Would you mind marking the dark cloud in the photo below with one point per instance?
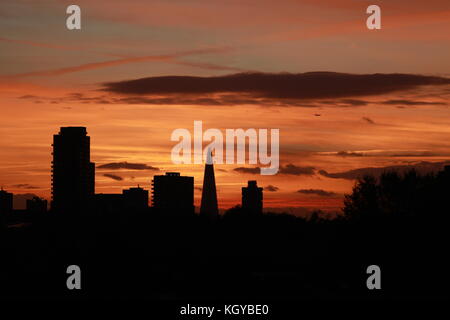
(422, 167)
(289, 169)
(349, 154)
(368, 120)
(276, 86)
(318, 192)
(113, 176)
(292, 169)
(414, 103)
(354, 102)
(307, 90)
(198, 188)
(126, 165)
(271, 188)
(254, 170)
(387, 153)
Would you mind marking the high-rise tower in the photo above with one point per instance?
(73, 173)
(209, 194)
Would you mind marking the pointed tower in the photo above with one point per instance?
(209, 195)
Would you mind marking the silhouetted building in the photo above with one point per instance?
(130, 200)
(252, 198)
(173, 193)
(37, 205)
(108, 203)
(209, 205)
(73, 174)
(135, 199)
(6, 202)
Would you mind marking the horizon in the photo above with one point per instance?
(137, 71)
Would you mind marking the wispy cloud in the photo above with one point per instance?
(168, 58)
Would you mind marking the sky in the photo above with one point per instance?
(347, 100)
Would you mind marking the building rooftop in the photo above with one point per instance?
(73, 131)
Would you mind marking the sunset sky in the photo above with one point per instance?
(336, 119)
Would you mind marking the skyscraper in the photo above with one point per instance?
(209, 205)
(252, 198)
(73, 174)
(173, 193)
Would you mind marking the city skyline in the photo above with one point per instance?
(73, 185)
(123, 76)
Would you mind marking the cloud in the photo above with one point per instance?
(354, 102)
(126, 165)
(198, 188)
(28, 96)
(288, 87)
(306, 90)
(271, 188)
(414, 103)
(387, 153)
(37, 44)
(113, 176)
(347, 102)
(422, 167)
(318, 192)
(289, 169)
(168, 58)
(349, 154)
(254, 170)
(368, 120)
(24, 186)
(294, 170)
(418, 154)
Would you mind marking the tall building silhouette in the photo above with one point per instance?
(73, 173)
(173, 193)
(252, 198)
(6, 202)
(209, 205)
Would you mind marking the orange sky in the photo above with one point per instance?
(51, 77)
